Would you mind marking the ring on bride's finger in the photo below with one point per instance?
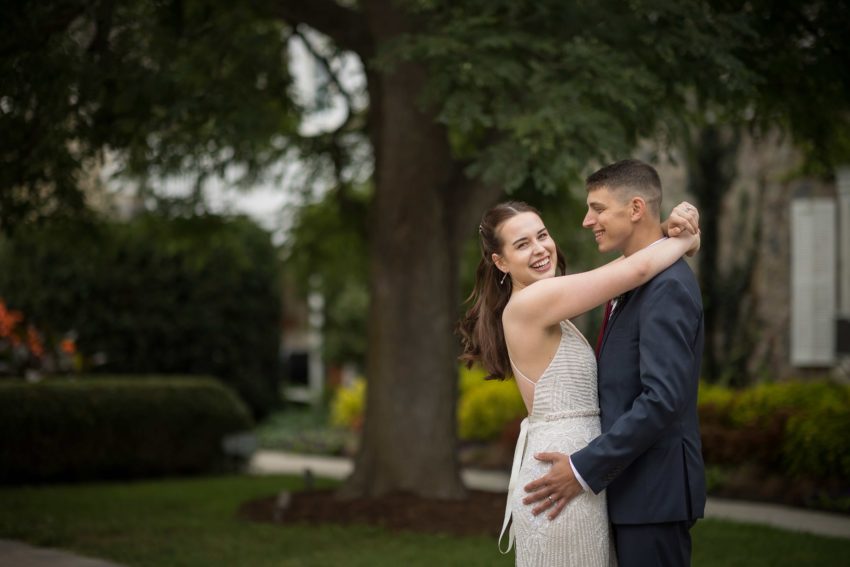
(551, 501)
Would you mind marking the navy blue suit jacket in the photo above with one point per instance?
(649, 456)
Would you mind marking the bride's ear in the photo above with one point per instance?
(499, 262)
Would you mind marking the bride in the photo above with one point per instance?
(519, 325)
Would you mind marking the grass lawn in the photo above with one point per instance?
(192, 523)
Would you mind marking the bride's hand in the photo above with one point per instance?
(695, 246)
(683, 217)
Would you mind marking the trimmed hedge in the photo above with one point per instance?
(110, 428)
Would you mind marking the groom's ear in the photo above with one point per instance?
(637, 209)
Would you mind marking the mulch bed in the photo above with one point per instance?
(480, 513)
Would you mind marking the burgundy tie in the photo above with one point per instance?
(604, 324)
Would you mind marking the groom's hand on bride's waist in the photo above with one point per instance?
(552, 492)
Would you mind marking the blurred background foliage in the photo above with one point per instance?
(326, 252)
(157, 294)
(783, 442)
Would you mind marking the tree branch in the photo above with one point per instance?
(103, 27)
(323, 61)
(345, 26)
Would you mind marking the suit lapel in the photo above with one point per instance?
(621, 304)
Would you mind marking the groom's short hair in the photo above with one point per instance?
(629, 178)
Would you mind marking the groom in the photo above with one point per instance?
(649, 455)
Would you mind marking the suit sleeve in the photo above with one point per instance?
(668, 327)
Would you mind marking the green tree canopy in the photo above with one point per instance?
(168, 86)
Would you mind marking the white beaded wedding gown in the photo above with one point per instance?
(564, 418)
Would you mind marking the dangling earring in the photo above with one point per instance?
(502, 282)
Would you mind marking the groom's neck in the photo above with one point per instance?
(644, 234)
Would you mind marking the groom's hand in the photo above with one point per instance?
(555, 489)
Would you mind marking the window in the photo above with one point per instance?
(813, 282)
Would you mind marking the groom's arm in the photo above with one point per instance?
(553, 491)
(668, 329)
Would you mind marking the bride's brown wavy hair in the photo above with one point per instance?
(480, 329)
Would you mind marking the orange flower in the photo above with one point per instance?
(8, 320)
(68, 346)
(34, 342)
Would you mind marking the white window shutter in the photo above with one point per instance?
(813, 282)
(842, 184)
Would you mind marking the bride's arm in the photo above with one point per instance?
(683, 218)
(547, 302)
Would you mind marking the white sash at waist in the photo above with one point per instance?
(519, 453)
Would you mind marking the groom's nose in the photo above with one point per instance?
(589, 220)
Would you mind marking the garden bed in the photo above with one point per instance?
(479, 514)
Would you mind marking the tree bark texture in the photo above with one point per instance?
(423, 209)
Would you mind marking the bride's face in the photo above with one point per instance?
(528, 252)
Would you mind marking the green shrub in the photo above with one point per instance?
(818, 443)
(156, 295)
(106, 428)
(486, 409)
(718, 397)
(765, 401)
(470, 378)
(348, 405)
(797, 427)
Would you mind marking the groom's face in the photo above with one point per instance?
(609, 218)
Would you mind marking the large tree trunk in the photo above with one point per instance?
(419, 209)
(421, 213)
